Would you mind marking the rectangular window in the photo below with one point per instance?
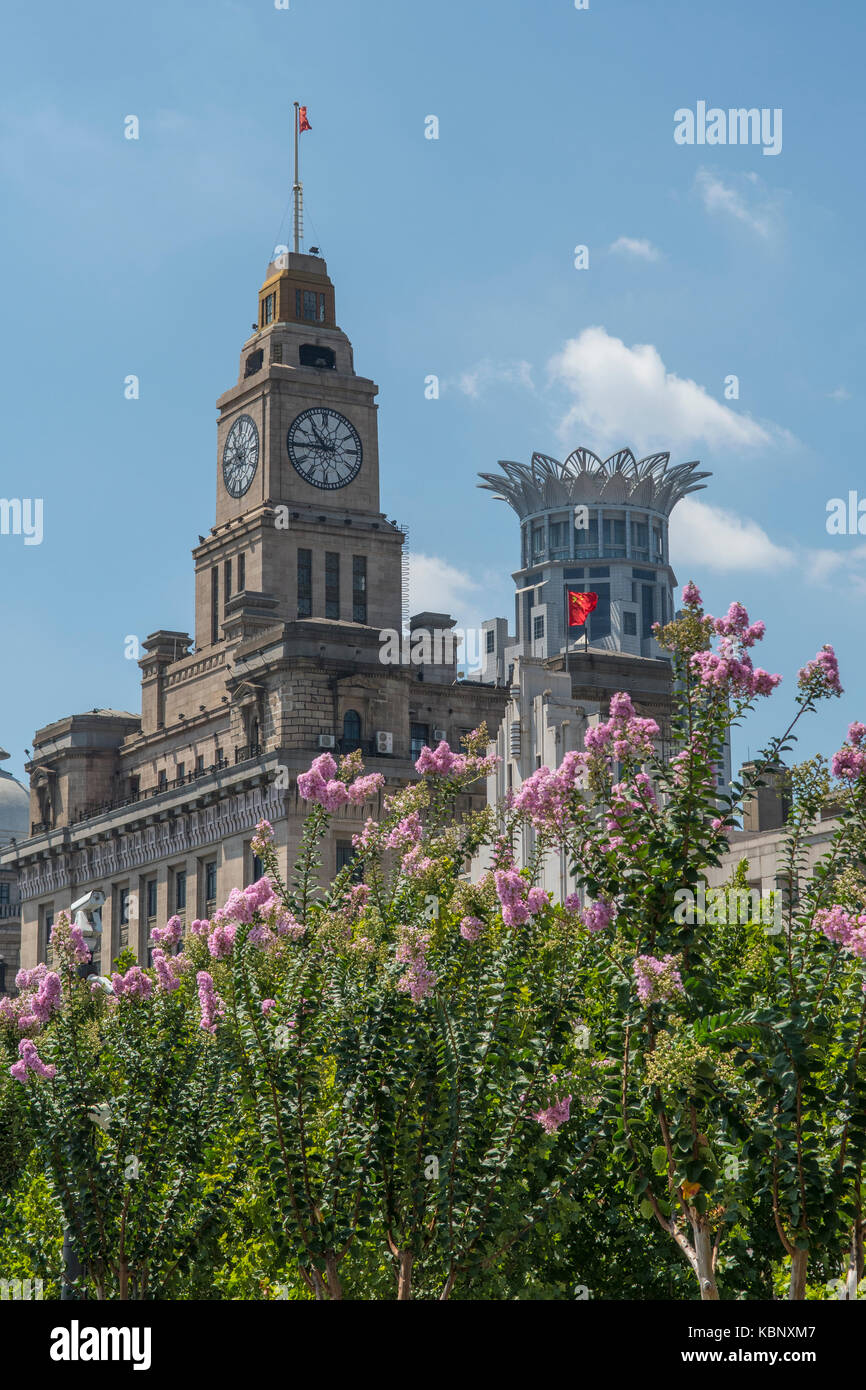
(258, 868)
(629, 624)
(162, 779)
(345, 854)
(491, 639)
(586, 537)
(180, 890)
(648, 575)
(614, 537)
(558, 540)
(332, 584)
(4, 892)
(419, 736)
(305, 583)
(268, 308)
(599, 619)
(242, 573)
(537, 541)
(150, 895)
(123, 916)
(538, 626)
(219, 756)
(227, 583)
(310, 305)
(647, 609)
(640, 535)
(181, 771)
(214, 605)
(210, 881)
(600, 572)
(359, 588)
(659, 544)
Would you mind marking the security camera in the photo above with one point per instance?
(88, 912)
(90, 901)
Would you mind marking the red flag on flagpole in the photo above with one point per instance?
(303, 123)
(579, 607)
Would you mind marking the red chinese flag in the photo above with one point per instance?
(579, 607)
(303, 123)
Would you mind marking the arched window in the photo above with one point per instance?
(351, 730)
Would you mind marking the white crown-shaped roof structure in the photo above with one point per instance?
(545, 483)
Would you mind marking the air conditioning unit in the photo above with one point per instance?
(327, 741)
(439, 735)
(384, 742)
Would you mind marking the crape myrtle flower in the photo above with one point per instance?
(30, 1063)
(212, 1006)
(819, 678)
(657, 979)
(418, 980)
(321, 784)
(849, 764)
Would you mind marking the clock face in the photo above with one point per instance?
(325, 448)
(240, 456)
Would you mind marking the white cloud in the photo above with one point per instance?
(715, 539)
(720, 197)
(838, 567)
(839, 394)
(486, 374)
(438, 587)
(638, 247)
(625, 395)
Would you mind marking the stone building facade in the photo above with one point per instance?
(295, 584)
(14, 825)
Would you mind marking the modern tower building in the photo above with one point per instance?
(589, 526)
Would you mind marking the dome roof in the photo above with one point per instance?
(14, 806)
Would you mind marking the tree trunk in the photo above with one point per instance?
(704, 1262)
(799, 1261)
(404, 1282)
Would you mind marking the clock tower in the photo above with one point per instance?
(298, 516)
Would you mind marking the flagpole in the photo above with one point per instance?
(296, 189)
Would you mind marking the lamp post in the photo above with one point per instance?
(87, 913)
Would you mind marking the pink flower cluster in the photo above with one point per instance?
(471, 928)
(843, 930)
(849, 763)
(212, 1006)
(40, 997)
(819, 678)
(320, 784)
(441, 762)
(519, 901)
(627, 798)
(418, 980)
(267, 1005)
(30, 1063)
(170, 934)
(356, 900)
(625, 735)
(415, 862)
(692, 595)
(657, 979)
(598, 915)
(554, 1116)
(169, 970)
(545, 796)
(408, 831)
(263, 837)
(730, 669)
(134, 984)
(67, 939)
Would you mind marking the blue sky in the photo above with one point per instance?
(452, 257)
